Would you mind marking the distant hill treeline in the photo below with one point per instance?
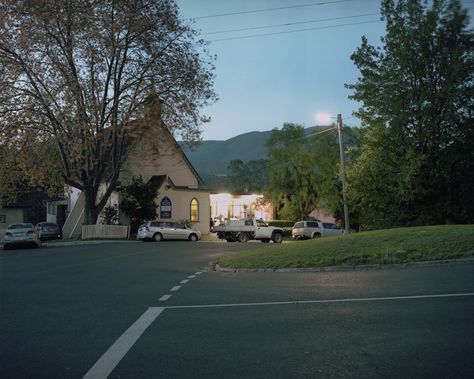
(212, 158)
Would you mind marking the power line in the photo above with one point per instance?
(316, 133)
(271, 9)
(290, 23)
(294, 31)
(269, 164)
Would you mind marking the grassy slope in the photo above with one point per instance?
(378, 247)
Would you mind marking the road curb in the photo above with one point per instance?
(217, 267)
(80, 243)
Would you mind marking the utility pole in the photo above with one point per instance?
(343, 172)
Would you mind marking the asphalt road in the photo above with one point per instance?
(150, 310)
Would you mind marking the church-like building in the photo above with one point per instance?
(181, 193)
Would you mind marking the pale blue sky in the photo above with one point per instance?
(265, 81)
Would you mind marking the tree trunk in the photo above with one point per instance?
(91, 211)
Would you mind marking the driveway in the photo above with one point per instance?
(150, 310)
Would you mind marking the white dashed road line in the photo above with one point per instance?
(164, 297)
(105, 365)
(111, 358)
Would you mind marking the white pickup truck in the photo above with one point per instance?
(244, 230)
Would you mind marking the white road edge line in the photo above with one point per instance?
(164, 297)
(348, 300)
(111, 358)
(198, 273)
(175, 288)
(191, 276)
(184, 281)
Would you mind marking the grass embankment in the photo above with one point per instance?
(368, 248)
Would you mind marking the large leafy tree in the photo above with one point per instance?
(303, 171)
(26, 166)
(248, 176)
(138, 202)
(78, 72)
(29, 172)
(416, 91)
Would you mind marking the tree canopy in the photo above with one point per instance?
(138, 202)
(79, 73)
(248, 176)
(303, 171)
(416, 89)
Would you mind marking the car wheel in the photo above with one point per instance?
(243, 237)
(317, 235)
(277, 237)
(157, 237)
(193, 237)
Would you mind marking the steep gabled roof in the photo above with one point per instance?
(159, 180)
(186, 160)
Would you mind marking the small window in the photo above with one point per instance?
(155, 224)
(298, 225)
(261, 224)
(179, 226)
(248, 223)
(312, 224)
(165, 207)
(194, 210)
(328, 225)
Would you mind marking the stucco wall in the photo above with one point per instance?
(165, 160)
(12, 216)
(181, 206)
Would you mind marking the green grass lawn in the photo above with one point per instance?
(377, 247)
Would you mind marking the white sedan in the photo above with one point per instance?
(20, 234)
(161, 230)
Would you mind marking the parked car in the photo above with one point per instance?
(20, 234)
(243, 230)
(160, 230)
(48, 231)
(315, 229)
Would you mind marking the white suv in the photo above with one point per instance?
(315, 229)
(160, 230)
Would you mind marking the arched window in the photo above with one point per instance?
(194, 210)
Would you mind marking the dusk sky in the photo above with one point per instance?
(293, 76)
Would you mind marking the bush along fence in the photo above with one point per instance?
(105, 231)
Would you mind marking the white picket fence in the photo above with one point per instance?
(105, 232)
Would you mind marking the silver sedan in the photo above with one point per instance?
(20, 234)
(160, 230)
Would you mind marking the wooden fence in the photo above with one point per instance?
(105, 231)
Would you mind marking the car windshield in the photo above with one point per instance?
(260, 223)
(21, 226)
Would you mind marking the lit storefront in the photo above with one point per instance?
(227, 206)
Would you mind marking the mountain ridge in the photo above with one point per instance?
(211, 158)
